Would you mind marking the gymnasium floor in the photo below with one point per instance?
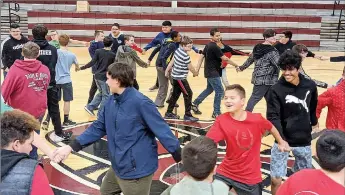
(82, 172)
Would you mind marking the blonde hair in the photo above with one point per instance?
(30, 50)
(185, 40)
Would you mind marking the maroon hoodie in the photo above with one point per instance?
(25, 87)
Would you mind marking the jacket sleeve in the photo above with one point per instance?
(92, 50)
(153, 43)
(139, 61)
(313, 105)
(317, 82)
(247, 63)
(195, 49)
(92, 62)
(168, 54)
(9, 85)
(116, 56)
(216, 132)
(273, 111)
(6, 56)
(274, 58)
(324, 100)
(337, 59)
(40, 183)
(160, 128)
(93, 133)
(154, 52)
(310, 54)
(137, 48)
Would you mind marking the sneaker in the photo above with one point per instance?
(215, 115)
(161, 106)
(59, 138)
(176, 106)
(68, 123)
(153, 88)
(195, 109)
(169, 115)
(89, 111)
(45, 125)
(190, 118)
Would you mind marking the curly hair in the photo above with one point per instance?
(17, 125)
(289, 60)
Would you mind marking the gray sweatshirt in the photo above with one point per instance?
(189, 186)
(127, 55)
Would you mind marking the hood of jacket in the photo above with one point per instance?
(9, 159)
(28, 65)
(125, 51)
(42, 43)
(261, 49)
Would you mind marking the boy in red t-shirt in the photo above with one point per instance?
(242, 132)
(330, 179)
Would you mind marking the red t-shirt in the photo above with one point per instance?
(40, 183)
(243, 138)
(310, 182)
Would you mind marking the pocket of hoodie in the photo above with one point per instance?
(296, 127)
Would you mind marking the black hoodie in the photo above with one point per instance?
(48, 57)
(292, 110)
(12, 50)
(288, 46)
(9, 159)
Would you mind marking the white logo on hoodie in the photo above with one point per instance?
(293, 99)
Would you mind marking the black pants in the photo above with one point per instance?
(92, 90)
(54, 110)
(181, 86)
(259, 91)
(135, 84)
(241, 188)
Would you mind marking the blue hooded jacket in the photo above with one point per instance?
(131, 122)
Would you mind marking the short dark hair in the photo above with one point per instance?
(166, 23)
(288, 34)
(39, 32)
(269, 33)
(330, 150)
(289, 60)
(173, 34)
(117, 25)
(299, 48)
(17, 125)
(98, 32)
(213, 31)
(199, 157)
(127, 37)
(238, 88)
(123, 73)
(14, 25)
(107, 41)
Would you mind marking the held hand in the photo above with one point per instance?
(316, 128)
(238, 69)
(77, 68)
(195, 74)
(87, 44)
(148, 61)
(323, 58)
(55, 157)
(167, 73)
(62, 153)
(143, 53)
(284, 146)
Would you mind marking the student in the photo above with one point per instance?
(242, 131)
(199, 158)
(11, 48)
(330, 179)
(19, 173)
(165, 55)
(125, 54)
(54, 35)
(213, 56)
(102, 59)
(291, 107)
(26, 85)
(94, 45)
(334, 99)
(302, 50)
(181, 65)
(131, 122)
(48, 56)
(117, 37)
(266, 71)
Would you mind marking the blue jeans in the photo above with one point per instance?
(213, 84)
(101, 97)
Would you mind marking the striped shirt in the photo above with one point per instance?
(181, 61)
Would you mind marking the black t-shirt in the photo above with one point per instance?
(213, 60)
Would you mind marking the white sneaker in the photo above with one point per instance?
(55, 138)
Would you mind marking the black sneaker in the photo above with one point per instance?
(215, 115)
(190, 118)
(68, 123)
(169, 115)
(195, 109)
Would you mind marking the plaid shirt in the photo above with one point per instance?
(266, 69)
